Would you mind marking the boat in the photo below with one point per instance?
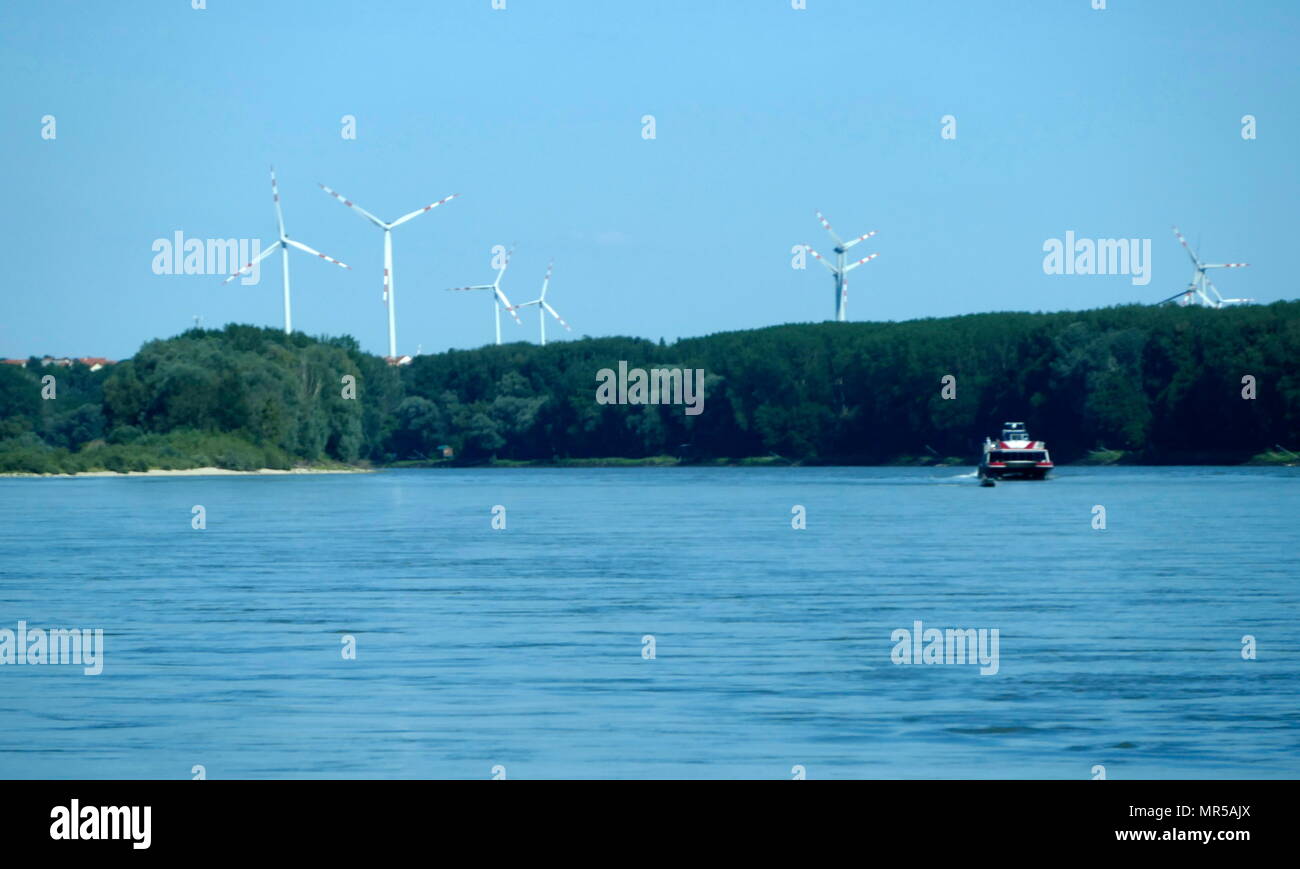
(1014, 456)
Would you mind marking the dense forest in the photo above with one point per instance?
(1153, 384)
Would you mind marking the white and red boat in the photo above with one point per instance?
(1014, 456)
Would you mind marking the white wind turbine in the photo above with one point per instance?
(840, 270)
(388, 254)
(498, 296)
(543, 306)
(1196, 289)
(283, 243)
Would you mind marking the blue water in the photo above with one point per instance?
(522, 647)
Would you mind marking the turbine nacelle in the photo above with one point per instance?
(1200, 282)
(498, 295)
(387, 227)
(283, 243)
(841, 269)
(543, 306)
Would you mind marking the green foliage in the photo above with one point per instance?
(20, 401)
(1130, 383)
(1158, 384)
(239, 398)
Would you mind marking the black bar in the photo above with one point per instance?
(330, 818)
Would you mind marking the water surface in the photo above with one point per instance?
(523, 647)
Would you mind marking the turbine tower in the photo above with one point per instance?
(1196, 288)
(498, 296)
(840, 271)
(543, 306)
(388, 254)
(283, 243)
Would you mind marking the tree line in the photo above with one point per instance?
(1160, 384)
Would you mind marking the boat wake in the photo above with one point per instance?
(972, 475)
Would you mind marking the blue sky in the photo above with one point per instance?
(1112, 123)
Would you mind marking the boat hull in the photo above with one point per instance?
(1012, 472)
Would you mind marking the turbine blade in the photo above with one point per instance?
(1187, 247)
(826, 225)
(556, 316)
(866, 259)
(820, 259)
(849, 244)
(546, 282)
(399, 221)
(350, 204)
(505, 265)
(506, 303)
(1217, 295)
(275, 197)
(305, 249)
(263, 255)
(1226, 266)
(475, 287)
(1174, 296)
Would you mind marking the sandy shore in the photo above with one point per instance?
(199, 472)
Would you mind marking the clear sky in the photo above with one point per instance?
(1112, 123)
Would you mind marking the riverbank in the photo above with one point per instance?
(1271, 458)
(1155, 385)
(198, 472)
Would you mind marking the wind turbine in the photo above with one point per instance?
(543, 306)
(1196, 289)
(388, 254)
(498, 297)
(840, 270)
(283, 243)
